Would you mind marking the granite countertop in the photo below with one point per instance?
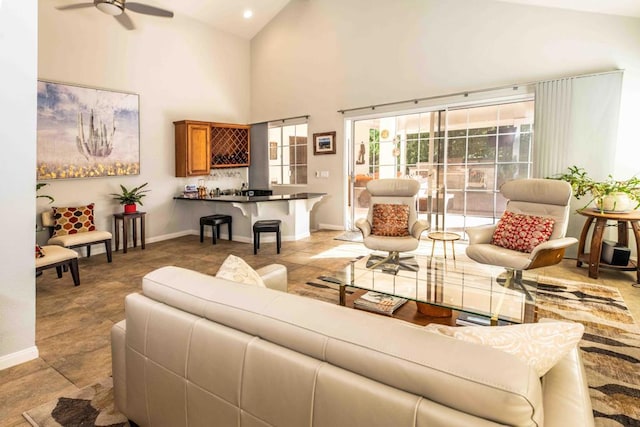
(252, 199)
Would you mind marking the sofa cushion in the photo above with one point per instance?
(391, 220)
(236, 269)
(522, 232)
(73, 220)
(540, 345)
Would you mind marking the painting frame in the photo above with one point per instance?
(324, 143)
(86, 132)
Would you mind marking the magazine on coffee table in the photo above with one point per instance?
(379, 303)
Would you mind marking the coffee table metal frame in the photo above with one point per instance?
(446, 283)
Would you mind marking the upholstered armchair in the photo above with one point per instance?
(73, 227)
(392, 223)
(531, 233)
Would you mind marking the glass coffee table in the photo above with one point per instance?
(487, 294)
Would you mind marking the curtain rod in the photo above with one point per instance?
(466, 93)
(306, 116)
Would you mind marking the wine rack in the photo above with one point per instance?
(229, 145)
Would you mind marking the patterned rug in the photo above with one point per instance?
(610, 352)
(610, 345)
(87, 407)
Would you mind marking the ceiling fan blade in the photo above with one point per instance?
(75, 6)
(125, 21)
(148, 10)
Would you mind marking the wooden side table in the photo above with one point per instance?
(595, 250)
(124, 218)
(444, 237)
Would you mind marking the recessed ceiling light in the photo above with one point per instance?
(247, 14)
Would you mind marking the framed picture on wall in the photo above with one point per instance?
(85, 132)
(324, 143)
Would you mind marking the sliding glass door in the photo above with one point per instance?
(460, 156)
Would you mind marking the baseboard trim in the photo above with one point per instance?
(330, 227)
(19, 357)
(99, 249)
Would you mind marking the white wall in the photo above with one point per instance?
(181, 69)
(317, 57)
(18, 42)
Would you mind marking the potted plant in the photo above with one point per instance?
(610, 195)
(129, 198)
(39, 185)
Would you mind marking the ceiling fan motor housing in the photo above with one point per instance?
(110, 7)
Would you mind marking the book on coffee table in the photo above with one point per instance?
(379, 303)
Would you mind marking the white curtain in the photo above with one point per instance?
(576, 123)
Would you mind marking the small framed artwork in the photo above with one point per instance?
(324, 143)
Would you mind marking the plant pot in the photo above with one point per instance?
(130, 208)
(614, 202)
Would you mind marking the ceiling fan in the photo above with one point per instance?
(116, 8)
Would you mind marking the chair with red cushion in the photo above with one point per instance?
(392, 223)
(531, 233)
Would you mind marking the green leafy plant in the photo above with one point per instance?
(583, 185)
(130, 197)
(39, 185)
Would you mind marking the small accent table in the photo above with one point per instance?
(600, 219)
(443, 237)
(125, 217)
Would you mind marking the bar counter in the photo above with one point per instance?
(292, 209)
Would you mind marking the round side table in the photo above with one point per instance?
(592, 258)
(444, 237)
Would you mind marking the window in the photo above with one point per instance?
(460, 155)
(287, 153)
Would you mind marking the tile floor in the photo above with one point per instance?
(73, 323)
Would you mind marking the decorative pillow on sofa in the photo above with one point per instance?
(236, 269)
(390, 220)
(540, 345)
(522, 232)
(39, 251)
(73, 220)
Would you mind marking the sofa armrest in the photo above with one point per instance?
(565, 394)
(418, 227)
(274, 276)
(118, 365)
(554, 244)
(480, 234)
(364, 226)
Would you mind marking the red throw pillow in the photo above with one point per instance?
(39, 251)
(390, 220)
(73, 220)
(522, 232)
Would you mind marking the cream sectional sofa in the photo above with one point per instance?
(195, 350)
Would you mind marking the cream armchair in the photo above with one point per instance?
(393, 192)
(538, 197)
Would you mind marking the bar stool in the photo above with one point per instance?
(214, 221)
(266, 226)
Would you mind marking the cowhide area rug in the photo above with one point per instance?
(610, 352)
(87, 407)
